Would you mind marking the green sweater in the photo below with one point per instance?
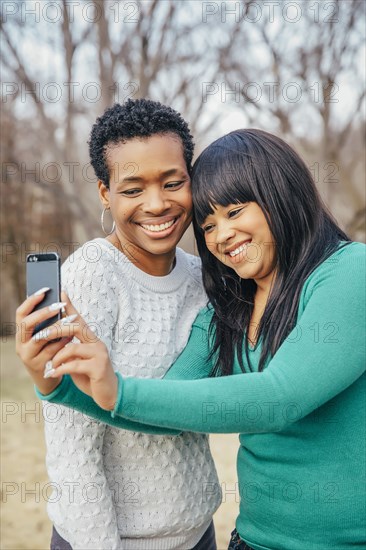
(301, 460)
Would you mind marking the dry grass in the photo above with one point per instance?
(24, 521)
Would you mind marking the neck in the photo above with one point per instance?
(264, 287)
(157, 265)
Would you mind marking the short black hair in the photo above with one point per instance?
(135, 118)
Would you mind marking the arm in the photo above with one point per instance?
(303, 374)
(75, 468)
(75, 441)
(69, 395)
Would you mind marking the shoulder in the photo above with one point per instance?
(91, 257)
(344, 269)
(192, 264)
(348, 260)
(91, 267)
(89, 278)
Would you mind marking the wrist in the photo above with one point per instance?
(119, 381)
(47, 386)
(114, 393)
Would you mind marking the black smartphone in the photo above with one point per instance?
(43, 270)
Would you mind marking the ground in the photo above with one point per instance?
(24, 521)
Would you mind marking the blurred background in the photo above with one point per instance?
(296, 69)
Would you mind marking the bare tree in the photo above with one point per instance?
(135, 52)
(60, 75)
(290, 71)
(116, 50)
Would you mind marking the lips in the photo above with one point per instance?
(159, 227)
(156, 221)
(240, 250)
(237, 246)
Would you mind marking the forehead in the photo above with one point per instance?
(143, 155)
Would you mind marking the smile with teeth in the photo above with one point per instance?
(158, 227)
(240, 248)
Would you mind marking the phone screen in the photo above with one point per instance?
(43, 270)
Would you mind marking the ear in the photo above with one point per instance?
(103, 194)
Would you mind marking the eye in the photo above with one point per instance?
(207, 228)
(131, 192)
(173, 184)
(234, 212)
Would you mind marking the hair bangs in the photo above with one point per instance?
(219, 178)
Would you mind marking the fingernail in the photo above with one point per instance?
(68, 319)
(56, 306)
(47, 369)
(41, 335)
(41, 291)
(49, 373)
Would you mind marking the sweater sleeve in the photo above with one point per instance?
(322, 356)
(75, 442)
(69, 395)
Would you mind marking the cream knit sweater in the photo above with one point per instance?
(117, 489)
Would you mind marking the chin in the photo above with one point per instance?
(245, 272)
(161, 248)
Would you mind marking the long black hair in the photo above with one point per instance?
(255, 166)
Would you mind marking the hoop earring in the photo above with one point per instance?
(102, 222)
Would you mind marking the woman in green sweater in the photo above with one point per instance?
(286, 321)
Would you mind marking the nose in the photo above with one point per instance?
(224, 233)
(221, 236)
(156, 202)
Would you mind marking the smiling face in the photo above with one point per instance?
(239, 236)
(149, 197)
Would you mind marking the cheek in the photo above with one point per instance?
(184, 197)
(210, 242)
(186, 201)
(253, 223)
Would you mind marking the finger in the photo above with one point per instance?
(73, 367)
(27, 308)
(42, 352)
(42, 314)
(50, 349)
(26, 326)
(71, 352)
(30, 302)
(70, 309)
(64, 328)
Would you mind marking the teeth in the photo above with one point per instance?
(160, 227)
(239, 249)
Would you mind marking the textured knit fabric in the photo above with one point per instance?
(207, 542)
(117, 488)
(301, 461)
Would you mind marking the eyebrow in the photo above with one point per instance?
(239, 205)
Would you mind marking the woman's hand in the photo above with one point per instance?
(87, 362)
(35, 353)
